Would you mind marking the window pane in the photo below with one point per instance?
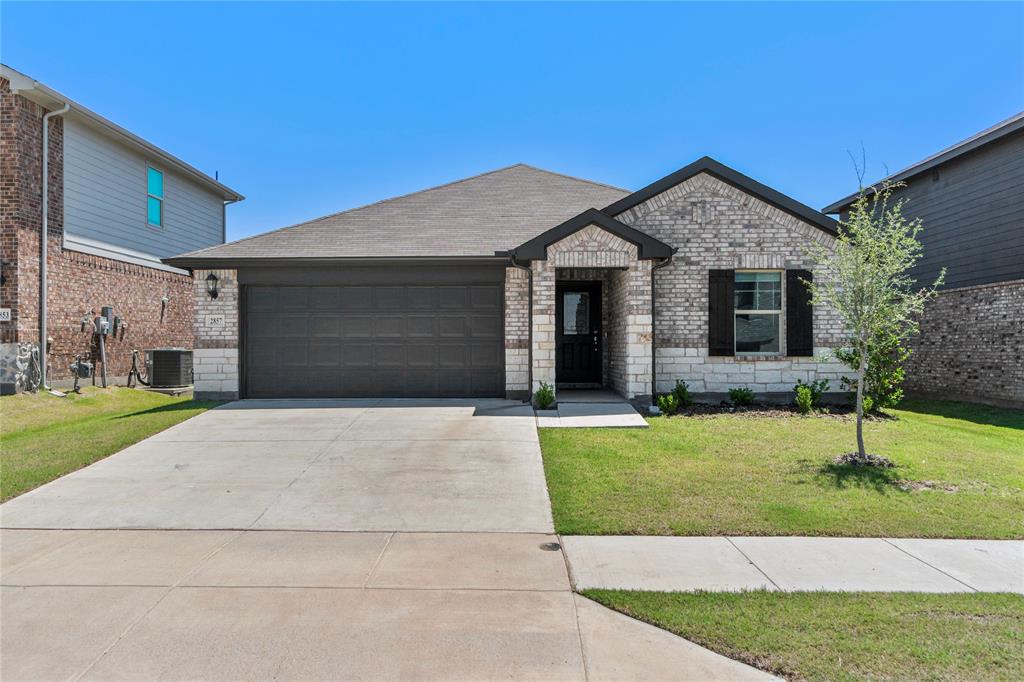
(155, 181)
(576, 312)
(757, 333)
(154, 211)
(758, 291)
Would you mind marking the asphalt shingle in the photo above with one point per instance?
(477, 216)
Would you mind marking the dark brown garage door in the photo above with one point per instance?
(373, 341)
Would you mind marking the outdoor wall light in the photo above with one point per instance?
(211, 285)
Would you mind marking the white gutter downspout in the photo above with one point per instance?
(45, 238)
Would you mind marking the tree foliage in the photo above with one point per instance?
(868, 283)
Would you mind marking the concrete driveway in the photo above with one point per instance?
(342, 465)
(315, 540)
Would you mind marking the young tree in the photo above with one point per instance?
(868, 285)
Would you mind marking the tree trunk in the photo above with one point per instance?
(861, 371)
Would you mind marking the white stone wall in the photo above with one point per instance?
(216, 373)
(215, 358)
(542, 320)
(706, 374)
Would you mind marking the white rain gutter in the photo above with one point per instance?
(43, 245)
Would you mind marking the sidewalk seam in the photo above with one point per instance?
(936, 568)
(759, 569)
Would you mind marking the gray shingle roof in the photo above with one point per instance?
(495, 211)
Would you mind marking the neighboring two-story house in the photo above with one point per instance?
(116, 205)
(970, 199)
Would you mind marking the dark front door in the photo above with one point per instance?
(578, 333)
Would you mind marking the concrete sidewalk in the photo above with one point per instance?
(180, 604)
(665, 564)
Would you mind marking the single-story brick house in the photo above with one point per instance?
(491, 285)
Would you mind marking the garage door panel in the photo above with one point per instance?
(422, 298)
(484, 327)
(451, 327)
(385, 340)
(485, 297)
(358, 355)
(389, 327)
(421, 355)
(453, 297)
(387, 355)
(357, 327)
(356, 298)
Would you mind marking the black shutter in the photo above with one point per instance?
(799, 314)
(720, 312)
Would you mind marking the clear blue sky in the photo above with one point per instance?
(308, 109)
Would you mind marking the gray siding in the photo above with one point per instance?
(973, 213)
(105, 198)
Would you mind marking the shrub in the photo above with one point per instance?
(883, 377)
(741, 396)
(808, 395)
(682, 394)
(668, 403)
(544, 397)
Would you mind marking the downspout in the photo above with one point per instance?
(529, 324)
(44, 241)
(654, 335)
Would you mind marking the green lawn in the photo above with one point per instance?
(853, 636)
(745, 475)
(43, 437)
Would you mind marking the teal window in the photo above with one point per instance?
(155, 201)
(758, 312)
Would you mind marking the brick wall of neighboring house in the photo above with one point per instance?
(215, 359)
(971, 345)
(717, 226)
(78, 283)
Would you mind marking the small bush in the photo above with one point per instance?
(741, 397)
(809, 395)
(804, 399)
(681, 392)
(544, 397)
(668, 403)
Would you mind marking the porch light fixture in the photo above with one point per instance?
(211, 285)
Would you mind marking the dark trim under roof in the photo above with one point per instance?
(989, 135)
(197, 263)
(729, 176)
(647, 246)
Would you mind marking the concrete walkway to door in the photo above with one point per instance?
(270, 540)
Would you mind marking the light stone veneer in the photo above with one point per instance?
(517, 332)
(215, 358)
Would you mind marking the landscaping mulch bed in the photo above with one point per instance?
(768, 410)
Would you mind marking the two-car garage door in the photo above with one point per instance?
(375, 339)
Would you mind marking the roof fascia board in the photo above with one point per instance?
(647, 246)
(48, 98)
(731, 177)
(193, 263)
(997, 132)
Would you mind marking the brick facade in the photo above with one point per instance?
(625, 311)
(215, 359)
(79, 284)
(717, 226)
(971, 345)
(517, 333)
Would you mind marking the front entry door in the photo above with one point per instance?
(578, 333)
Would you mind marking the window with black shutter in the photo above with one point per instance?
(799, 314)
(720, 312)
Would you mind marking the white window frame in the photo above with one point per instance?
(781, 313)
(163, 183)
